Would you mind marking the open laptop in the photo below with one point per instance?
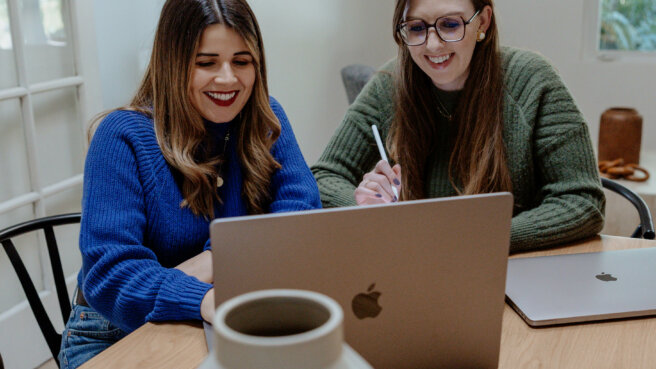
(439, 266)
(586, 287)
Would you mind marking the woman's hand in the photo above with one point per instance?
(207, 306)
(376, 186)
(200, 266)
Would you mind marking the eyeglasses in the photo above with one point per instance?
(449, 29)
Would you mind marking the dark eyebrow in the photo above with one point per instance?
(410, 17)
(212, 54)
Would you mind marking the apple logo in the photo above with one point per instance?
(605, 277)
(365, 305)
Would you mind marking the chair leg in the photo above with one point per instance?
(57, 270)
(637, 233)
(53, 339)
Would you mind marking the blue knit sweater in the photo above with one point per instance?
(134, 232)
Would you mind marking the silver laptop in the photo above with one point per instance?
(586, 287)
(439, 266)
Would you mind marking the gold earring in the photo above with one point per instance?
(481, 36)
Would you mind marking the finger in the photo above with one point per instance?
(397, 170)
(384, 168)
(366, 192)
(379, 183)
(365, 196)
(377, 188)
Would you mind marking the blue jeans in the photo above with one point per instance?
(86, 334)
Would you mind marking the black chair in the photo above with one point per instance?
(646, 227)
(46, 224)
(354, 78)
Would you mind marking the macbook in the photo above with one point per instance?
(421, 282)
(576, 288)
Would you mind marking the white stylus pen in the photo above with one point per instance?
(383, 156)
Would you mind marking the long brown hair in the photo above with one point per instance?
(164, 96)
(478, 161)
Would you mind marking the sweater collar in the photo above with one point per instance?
(218, 129)
(449, 99)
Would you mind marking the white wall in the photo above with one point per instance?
(125, 30)
(557, 29)
(307, 42)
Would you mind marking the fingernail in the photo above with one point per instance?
(397, 182)
(379, 195)
(395, 199)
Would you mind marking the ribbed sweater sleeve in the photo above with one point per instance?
(571, 200)
(293, 187)
(352, 150)
(124, 280)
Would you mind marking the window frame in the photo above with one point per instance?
(79, 16)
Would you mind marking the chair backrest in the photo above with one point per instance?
(46, 224)
(646, 227)
(354, 78)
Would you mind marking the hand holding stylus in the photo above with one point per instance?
(382, 184)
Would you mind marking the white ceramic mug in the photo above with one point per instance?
(290, 329)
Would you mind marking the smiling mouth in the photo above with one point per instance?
(222, 98)
(440, 60)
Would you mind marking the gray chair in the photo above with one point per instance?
(354, 77)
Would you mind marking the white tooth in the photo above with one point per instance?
(440, 59)
(222, 96)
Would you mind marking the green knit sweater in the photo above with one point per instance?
(556, 187)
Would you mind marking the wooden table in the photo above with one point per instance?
(614, 344)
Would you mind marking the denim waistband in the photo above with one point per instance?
(79, 298)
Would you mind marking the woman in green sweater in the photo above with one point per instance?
(460, 115)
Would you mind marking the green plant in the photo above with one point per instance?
(628, 25)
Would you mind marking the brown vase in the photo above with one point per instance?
(620, 135)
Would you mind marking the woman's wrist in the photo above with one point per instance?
(200, 266)
(207, 306)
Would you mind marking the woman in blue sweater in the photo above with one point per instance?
(201, 139)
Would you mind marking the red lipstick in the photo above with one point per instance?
(223, 102)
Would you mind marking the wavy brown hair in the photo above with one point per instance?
(478, 161)
(164, 95)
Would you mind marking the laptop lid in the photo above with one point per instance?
(437, 266)
(574, 288)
